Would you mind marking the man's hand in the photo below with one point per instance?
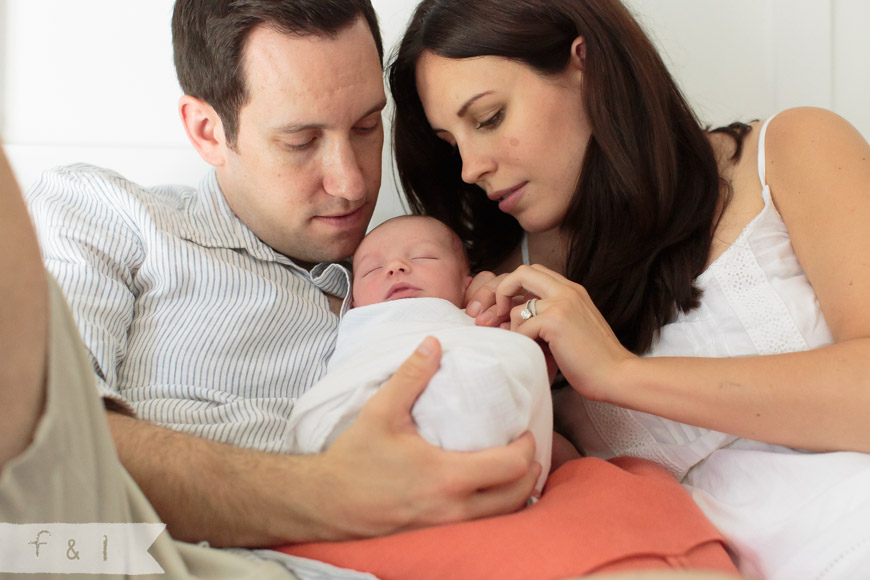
(385, 478)
(379, 476)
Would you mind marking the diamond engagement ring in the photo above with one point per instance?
(529, 310)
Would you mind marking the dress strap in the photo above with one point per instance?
(761, 160)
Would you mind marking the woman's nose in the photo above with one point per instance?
(476, 163)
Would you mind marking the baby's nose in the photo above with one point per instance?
(397, 267)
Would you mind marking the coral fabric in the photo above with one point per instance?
(594, 516)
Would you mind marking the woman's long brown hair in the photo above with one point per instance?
(641, 220)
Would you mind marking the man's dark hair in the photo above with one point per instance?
(209, 39)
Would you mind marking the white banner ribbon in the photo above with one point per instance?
(79, 548)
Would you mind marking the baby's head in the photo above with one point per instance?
(410, 257)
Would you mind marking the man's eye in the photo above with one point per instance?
(368, 127)
(300, 146)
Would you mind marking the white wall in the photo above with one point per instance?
(92, 80)
(747, 59)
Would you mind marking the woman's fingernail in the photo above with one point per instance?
(486, 319)
(473, 309)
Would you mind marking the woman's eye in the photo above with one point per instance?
(493, 121)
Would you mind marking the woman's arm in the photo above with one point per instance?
(819, 172)
(818, 169)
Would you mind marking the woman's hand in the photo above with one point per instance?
(480, 298)
(581, 341)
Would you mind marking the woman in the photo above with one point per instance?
(703, 292)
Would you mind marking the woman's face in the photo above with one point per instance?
(521, 136)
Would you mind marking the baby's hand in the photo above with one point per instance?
(480, 300)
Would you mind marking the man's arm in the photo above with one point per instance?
(229, 496)
(379, 477)
(23, 321)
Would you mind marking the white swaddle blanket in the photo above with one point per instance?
(491, 387)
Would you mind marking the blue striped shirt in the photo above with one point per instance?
(190, 320)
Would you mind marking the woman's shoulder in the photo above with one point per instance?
(798, 145)
(807, 120)
(790, 134)
(800, 153)
(810, 149)
(807, 140)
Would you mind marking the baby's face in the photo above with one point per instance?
(410, 257)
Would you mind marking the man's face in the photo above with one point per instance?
(305, 172)
(409, 257)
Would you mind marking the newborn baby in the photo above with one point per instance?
(410, 277)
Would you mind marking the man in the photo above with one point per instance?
(209, 311)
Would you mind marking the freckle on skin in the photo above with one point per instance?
(515, 141)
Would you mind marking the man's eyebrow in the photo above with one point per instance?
(298, 127)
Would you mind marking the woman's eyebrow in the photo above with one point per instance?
(464, 109)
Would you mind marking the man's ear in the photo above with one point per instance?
(204, 129)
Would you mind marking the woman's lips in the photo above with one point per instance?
(508, 198)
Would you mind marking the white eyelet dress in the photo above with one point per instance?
(787, 514)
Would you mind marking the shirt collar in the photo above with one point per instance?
(212, 223)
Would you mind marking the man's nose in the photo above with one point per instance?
(343, 176)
